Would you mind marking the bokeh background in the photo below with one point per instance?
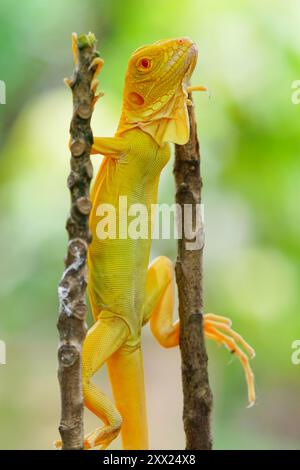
(249, 55)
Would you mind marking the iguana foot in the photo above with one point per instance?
(101, 437)
(97, 65)
(232, 340)
(98, 439)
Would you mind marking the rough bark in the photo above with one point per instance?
(72, 287)
(189, 276)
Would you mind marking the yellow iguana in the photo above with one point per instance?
(125, 292)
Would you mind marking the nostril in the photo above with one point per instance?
(186, 41)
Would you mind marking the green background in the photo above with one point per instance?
(249, 133)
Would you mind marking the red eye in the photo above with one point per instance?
(145, 63)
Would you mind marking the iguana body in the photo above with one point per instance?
(124, 292)
(121, 302)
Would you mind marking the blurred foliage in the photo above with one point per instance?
(249, 130)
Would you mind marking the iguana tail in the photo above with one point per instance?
(126, 375)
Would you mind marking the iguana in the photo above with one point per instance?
(125, 292)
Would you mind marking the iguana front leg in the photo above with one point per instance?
(159, 308)
(115, 147)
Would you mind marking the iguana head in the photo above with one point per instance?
(155, 95)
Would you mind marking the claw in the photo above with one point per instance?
(190, 89)
(96, 97)
(57, 444)
(189, 102)
(68, 82)
(97, 63)
(94, 85)
(219, 318)
(74, 48)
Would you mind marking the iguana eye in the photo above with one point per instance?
(144, 63)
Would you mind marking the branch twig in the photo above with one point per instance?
(189, 276)
(72, 287)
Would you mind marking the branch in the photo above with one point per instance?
(189, 277)
(72, 287)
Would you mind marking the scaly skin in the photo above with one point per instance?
(124, 292)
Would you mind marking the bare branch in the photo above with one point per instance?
(72, 287)
(189, 277)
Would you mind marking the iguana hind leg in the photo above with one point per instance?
(159, 306)
(103, 339)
